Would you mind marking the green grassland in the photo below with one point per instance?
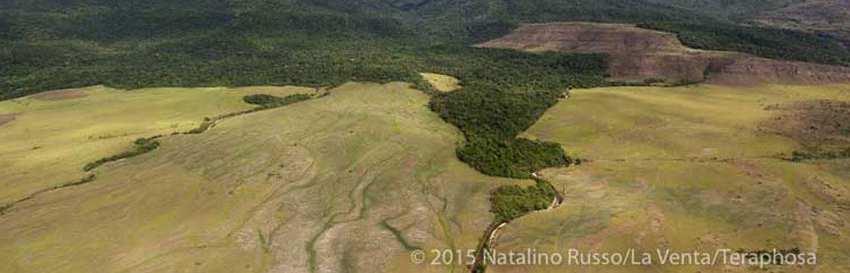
(50, 141)
(350, 181)
(703, 122)
(685, 168)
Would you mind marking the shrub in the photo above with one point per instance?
(140, 146)
(511, 202)
(269, 101)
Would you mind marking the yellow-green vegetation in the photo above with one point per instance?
(54, 135)
(347, 182)
(687, 169)
(694, 122)
(442, 83)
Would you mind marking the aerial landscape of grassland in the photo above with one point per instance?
(686, 168)
(350, 181)
(53, 135)
(339, 136)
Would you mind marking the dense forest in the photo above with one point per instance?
(511, 202)
(760, 41)
(50, 44)
(264, 101)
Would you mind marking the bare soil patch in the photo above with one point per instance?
(817, 124)
(649, 56)
(65, 94)
(6, 118)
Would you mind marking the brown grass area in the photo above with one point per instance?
(6, 118)
(65, 94)
(649, 56)
(814, 123)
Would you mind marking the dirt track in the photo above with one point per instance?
(642, 55)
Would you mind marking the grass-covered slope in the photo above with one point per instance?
(55, 134)
(674, 168)
(324, 185)
(651, 123)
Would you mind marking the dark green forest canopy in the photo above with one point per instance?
(50, 44)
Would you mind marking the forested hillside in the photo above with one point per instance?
(731, 9)
(828, 17)
(50, 44)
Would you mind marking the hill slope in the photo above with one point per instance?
(54, 134)
(50, 44)
(690, 169)
(324, 185)
(831, 17)
(648, 56)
